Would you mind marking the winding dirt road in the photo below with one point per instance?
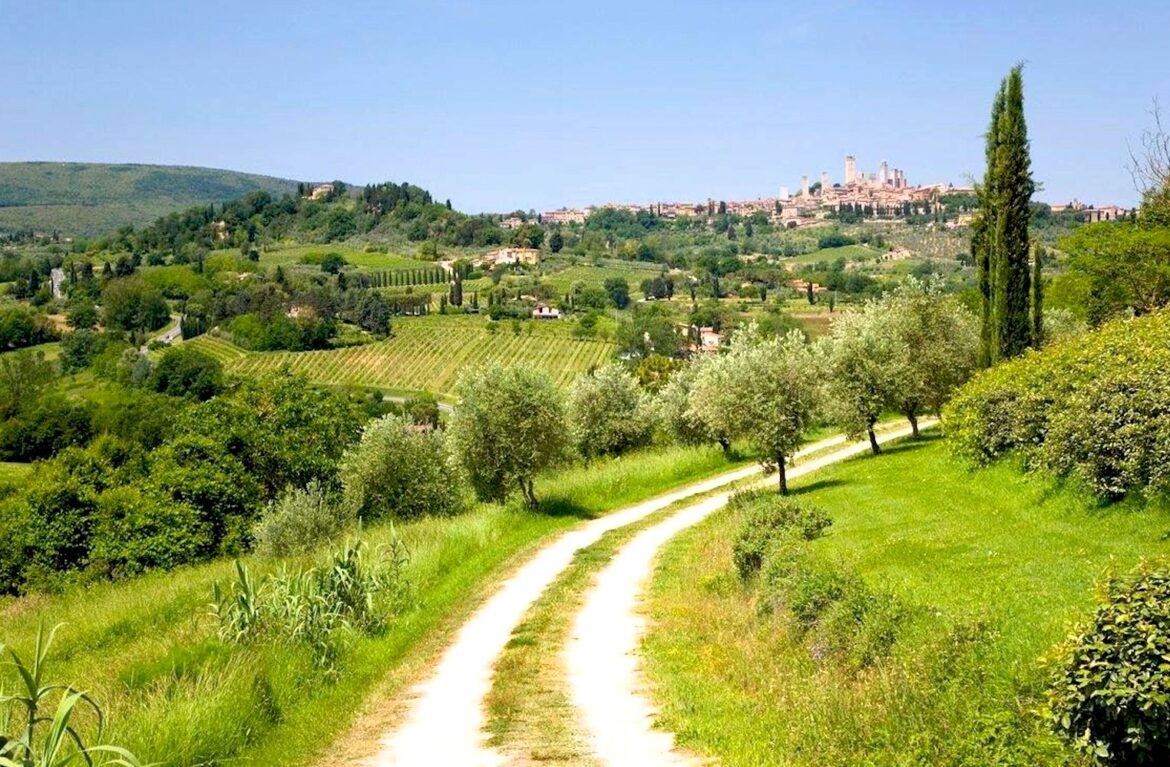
(444, 722)
(602, 653)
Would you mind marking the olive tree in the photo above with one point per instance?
(509, 425)
(936, 346)
(764, 390)
(398, 470)
(864, 358)
(608, 413)
(675, 414)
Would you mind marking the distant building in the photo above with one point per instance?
(321, 191)
(512, 222)
(546, 312)
(504, 256)
(1105, 213)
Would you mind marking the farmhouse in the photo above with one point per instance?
(503, 256)
(546, 312)
(699, 339)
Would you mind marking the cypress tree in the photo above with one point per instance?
(1000, 243)
(982, 237)
(1015, 188)
(1038, 297)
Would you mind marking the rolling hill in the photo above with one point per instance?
(97, 198)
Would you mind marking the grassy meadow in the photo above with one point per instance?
(991, 566)
(147, 649)
(427, 353)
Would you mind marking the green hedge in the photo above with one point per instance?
(1095, 408)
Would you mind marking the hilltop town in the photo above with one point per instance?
(885, 194)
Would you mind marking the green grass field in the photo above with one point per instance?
(848, 252)
(992, 566)
(147, 650)
(12, 473)
(287, 255)
(427, 354)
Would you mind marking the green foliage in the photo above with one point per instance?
(44, 739)
(22, 326)
(136, 530)
(347, 594)
(399, 471)
(1126, 263)
(510, 425)
(1094, 408)
(1110, 695)
(768, 520)
(129, 303)
(185, 371)
(766, 390)
(608, 414)
(299, 520)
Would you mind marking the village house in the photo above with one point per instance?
(699, 339)
(321, 191)
(546, 312)
(505, 256)
(512, 222)
(800, 286)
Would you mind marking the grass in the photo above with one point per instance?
(288, 255)
(146, 648)
(991, 565)
(427, 353)
(13, 473)
(829, 255)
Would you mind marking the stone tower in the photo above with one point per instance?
(804, 186)
(850, 170)
(826, 183)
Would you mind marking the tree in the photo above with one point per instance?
(23, 376)
(937, 344)
(764, 390)
(1038, 297)
(618, 290)
(864, 356)
(509, 426)
(130, 304)
(556, 241)
(398, 471)
(608, 413)
(373, 313)
(673, 405)
(1126, 263)
(185, 371)
(1000, 241)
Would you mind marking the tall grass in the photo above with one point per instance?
(175, 693)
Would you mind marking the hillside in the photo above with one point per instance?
(97, 198)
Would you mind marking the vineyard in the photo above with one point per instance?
(426, 353)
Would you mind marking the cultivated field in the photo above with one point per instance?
(426, 353)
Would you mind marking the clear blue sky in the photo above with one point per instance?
(503, 105)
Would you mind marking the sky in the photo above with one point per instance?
(503, 105)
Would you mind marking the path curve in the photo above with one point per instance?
(601, 656)
(445, 721)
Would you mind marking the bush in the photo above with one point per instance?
(136, 531)
(769, 519)
(1111, 693)
(184, 371)
(1096, 408)
(301, 520)
(399, 471)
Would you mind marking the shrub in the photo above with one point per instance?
(1095, 408)
(184, 371)
(300, 520)
(770, 518)
(399, 470)
(1111, 693)
(136, 531)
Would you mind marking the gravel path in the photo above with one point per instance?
(445, 720)
(601, 655)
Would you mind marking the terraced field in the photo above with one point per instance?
(425, 353)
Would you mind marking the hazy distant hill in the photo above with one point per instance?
(95, 198)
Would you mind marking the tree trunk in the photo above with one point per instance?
(529, 493)
(913, 426)
(781, 470)
(725, 444)
(873, 443)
